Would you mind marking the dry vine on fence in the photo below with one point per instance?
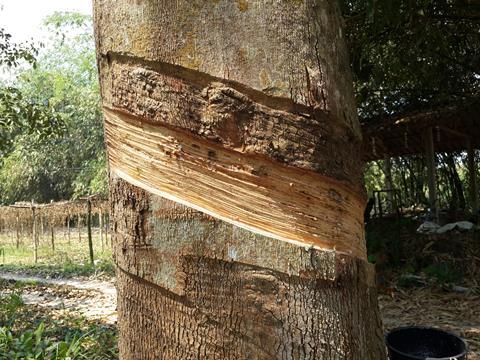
(29, 219)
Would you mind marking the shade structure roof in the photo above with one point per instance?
(453, 128)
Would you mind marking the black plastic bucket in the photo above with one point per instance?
(422, 343)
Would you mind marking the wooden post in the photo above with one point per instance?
(52, 229)
(34, 234)
(100, 225)
(89, 229)
(431, 174)
(17, 227)
(107, 229)
(42, 226)
(79, 226)
(68, 228)
(64, 228)
(472, 177)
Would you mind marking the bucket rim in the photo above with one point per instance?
(400, 328)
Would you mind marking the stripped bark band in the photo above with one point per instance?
(245, 188)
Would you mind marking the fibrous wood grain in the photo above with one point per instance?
(252, 192)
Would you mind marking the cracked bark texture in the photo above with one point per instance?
(263, 79)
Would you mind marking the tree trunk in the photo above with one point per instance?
(235, 181)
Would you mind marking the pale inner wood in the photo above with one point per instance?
(250, 191)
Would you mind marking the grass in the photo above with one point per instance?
(69, 259)
(34, 332)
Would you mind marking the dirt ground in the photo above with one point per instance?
(455, 312)
(92, 299)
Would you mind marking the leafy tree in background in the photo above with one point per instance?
(11, 54)
(406, 55)
(412, 54)
(17, 113)
(70, 161)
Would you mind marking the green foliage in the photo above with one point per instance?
(408, 54)
(63, 155)
(373, 177)
(9, 306)
(19, 114)
(48, 338)
(11, 54)
(32, 344)
(61, 19)
(384, 240)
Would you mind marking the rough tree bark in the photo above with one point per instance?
(235, 181)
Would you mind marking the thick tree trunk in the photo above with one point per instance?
(235, 181)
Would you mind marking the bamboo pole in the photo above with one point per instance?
(68, 228)
(64, 229)
(100, 225)
(472, 178)
(34, 234)
(42, 226)
(431, 166)
(52, 229)
(89, 229)
(17, 223)
(79, 222)
(107, 229)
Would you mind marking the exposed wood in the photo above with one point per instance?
(235, 294)
(472, 177)
(431, 172)
(294, 205)
(232, 116)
